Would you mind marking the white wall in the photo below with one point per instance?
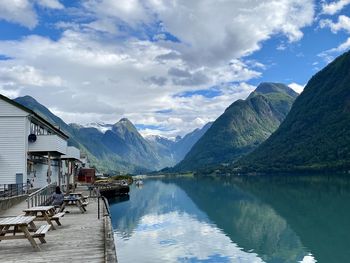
(40, 179)
(13, 154)
(48, 143)
(65, 170)
(8, 110)
(72, 153)
(13, 135)
(14, 131)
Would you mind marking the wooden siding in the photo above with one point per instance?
(6, 109)
(72, 153)
(13, 137)
(48, 143)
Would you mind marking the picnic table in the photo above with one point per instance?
(73, 201)
(22, 226)
(46, 213)
(78, 194)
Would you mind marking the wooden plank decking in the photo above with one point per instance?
(81, 238)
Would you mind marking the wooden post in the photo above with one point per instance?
(59, 171)
(68, 175)
(48, 168)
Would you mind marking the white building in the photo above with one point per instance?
(30, 146)
(70, 164)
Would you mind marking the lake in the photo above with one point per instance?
(235, 219)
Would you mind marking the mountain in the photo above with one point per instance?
(164, 147)
(177, 149)
(44, 112)
(101, 155)
(243, 126)
(316, 133)
(119, 147)
(102, 127)
(87, 139)
(125, 141)
(183, 146)
(41, 110)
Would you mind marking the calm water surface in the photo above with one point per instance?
(269, 219)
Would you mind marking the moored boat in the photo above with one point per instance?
(111, 190)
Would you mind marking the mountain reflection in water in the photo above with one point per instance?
(244, 219)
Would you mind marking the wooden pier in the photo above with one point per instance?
(81, 238)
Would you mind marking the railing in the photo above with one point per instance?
(42, 196)
(105, 202)
(10, 190)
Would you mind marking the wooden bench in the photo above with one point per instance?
(85, 203)
(40, 233)
(73, 201)
(42, 213)
(84, 198)
(21, 230)
(56, 217)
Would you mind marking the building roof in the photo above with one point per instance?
(40, 118)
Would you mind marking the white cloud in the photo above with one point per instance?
(308, 259)
(10, 93)
(194, 111)
(341, 48)
(26, 75)
(108, 68)
(23, 12)
(52, 4)
(330, 54)
(153, 229)
(115, 79)
(132, 11)
(239, 29)
(18, 11)
(296, 87)
(334, 7)
(342, 24)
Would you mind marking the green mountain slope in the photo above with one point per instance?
(316, 133)
(125, 141)
(241, 128)
(172, 152)
(185, 144)
(121, 149)
(88, 140)
(101, 156)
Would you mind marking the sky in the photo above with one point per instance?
(169, 66)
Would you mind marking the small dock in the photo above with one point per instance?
(81, 238)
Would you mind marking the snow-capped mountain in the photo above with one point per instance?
(101, 126)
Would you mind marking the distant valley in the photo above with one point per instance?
(120, 147)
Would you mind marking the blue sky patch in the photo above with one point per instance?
(164, 111)
(207, 93)
(151, 127)
(2, 57)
